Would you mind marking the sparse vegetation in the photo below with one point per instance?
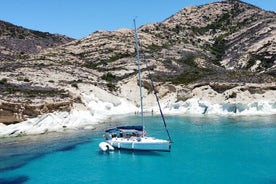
(218, 48)
(251, 62)
(266, 61)
(51, 54)
(233, 95)
(4, 81)
(75, 85)
(23, 79)
(111, 86)
(91, 65)
(41, 34)
(187, 73)
(65, 62)
(118, 56)
(45, 92)
(109, 77)
(154, 48)
(32, 91)
(78, 100)
(190, 76)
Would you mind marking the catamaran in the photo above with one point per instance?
(134, 137)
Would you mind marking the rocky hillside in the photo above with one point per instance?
(229, 40)
(221, 45)
(18, 42)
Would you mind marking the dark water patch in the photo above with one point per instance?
(67, 148)
(71, 146)
(17, 161)
(14, 180)
(11, 167)
(16, 152)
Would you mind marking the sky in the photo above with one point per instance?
(79, 18)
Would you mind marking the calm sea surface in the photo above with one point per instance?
(206, 149)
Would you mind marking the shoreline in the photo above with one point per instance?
(79, 118)
(97, 105)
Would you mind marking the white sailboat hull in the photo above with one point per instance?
(140, 143)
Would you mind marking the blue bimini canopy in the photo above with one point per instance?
(138, 128)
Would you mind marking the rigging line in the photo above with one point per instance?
(156, 96)
(150, 77)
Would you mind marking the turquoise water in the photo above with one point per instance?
(205, 150)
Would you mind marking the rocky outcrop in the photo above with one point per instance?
(17, 112)
(233, 93)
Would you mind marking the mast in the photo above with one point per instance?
(139, 77)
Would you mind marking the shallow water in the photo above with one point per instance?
(206, 149)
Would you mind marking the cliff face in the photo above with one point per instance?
(227, 43)
(16, 112)
(19, 101)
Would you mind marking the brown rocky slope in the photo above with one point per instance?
(17, 42)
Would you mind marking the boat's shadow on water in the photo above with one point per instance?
(14, 180)
(131, 152)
